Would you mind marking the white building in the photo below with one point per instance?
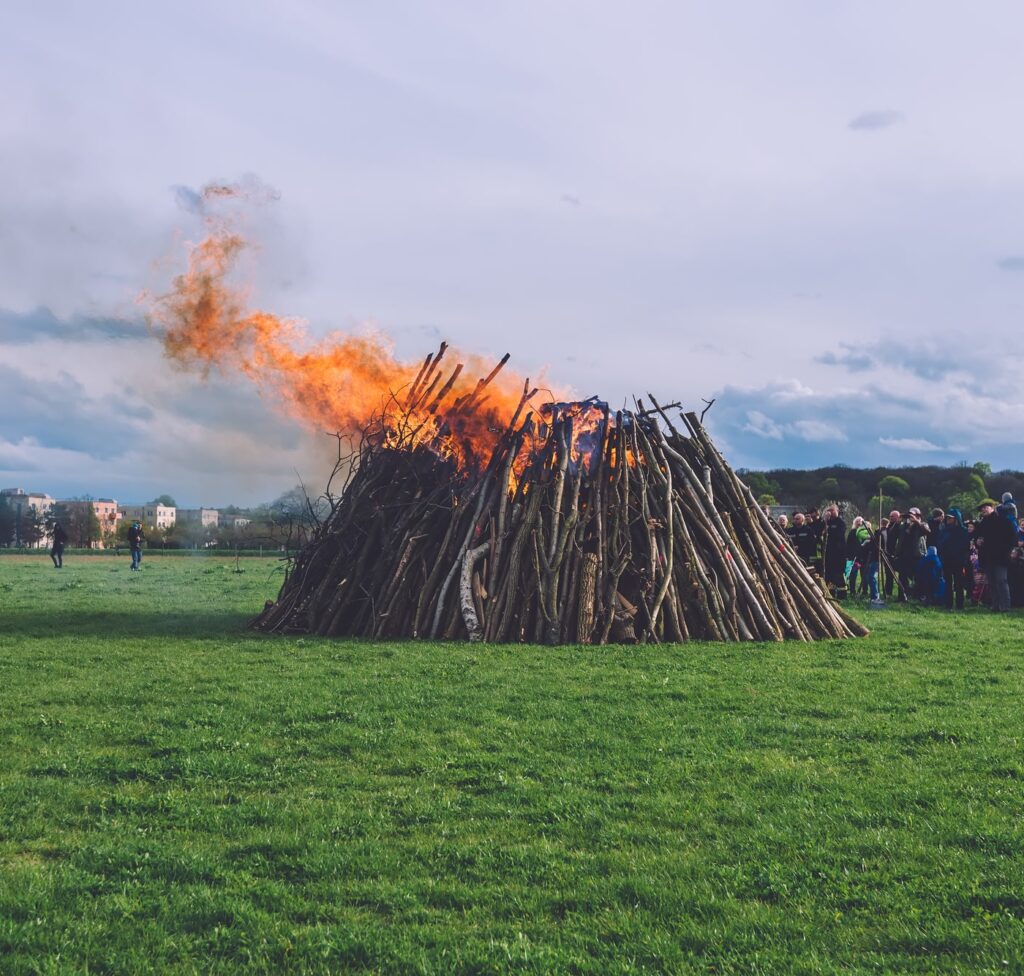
(206, 517)
(23, 503)
(152, 516)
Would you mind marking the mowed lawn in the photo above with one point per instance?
(178, 795)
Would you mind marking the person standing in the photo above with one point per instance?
(60, 538)
(852, 551)
(872, 555)
(817, 526)
(929, 582)
(135, 539)
(888, 554)
(995, 536)
(834, 551)
(804, 540)
(911, 548)
(954, 546)
(864, 536)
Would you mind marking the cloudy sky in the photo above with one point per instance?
(810, 212)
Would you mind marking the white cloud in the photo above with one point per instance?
(910, 444)
(757, 423)
(817, 430)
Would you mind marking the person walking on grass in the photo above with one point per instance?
(135, 540)
(60, 538)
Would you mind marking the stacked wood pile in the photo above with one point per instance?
(582, 526)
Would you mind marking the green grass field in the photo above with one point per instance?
(178, 795)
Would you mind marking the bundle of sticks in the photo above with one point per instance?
(583, 525)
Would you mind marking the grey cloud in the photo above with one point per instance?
(876, 119)
(855, 360)
(19, 328)
(222, 406)
(55, 412)
(770, 427)
(880, 396)
(1012, 263)
(188, 199)
(953, 362)
(11, 459)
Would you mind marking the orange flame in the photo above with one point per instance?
(343, 383)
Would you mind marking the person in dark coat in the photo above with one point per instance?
(803, 538)
(135, 539)
(892, 539)
(954, 546)
(60, 538)
(912, 545)
(996, 537)
(834, 551)
(817, 526)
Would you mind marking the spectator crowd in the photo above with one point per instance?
(944, 560)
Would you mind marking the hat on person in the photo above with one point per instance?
(913, 511)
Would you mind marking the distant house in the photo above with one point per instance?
(25, 503)
(206, 517)
(152, 516)
(109, 516)
(233, 521)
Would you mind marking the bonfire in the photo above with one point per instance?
(567, 524)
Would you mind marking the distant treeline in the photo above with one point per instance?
(964, 486)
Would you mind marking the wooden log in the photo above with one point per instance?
(588, 588)
(467, 602)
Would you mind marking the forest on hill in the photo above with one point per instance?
(930, 486)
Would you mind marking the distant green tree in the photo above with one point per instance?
(971, 497)
(8, 522)
(887, 503)
(767, 500)
(165, 500)
(32, 526)
(894, 485)
(829, 487)
(966, 501)
(79, 520)
(760, 484)
(982, 468)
